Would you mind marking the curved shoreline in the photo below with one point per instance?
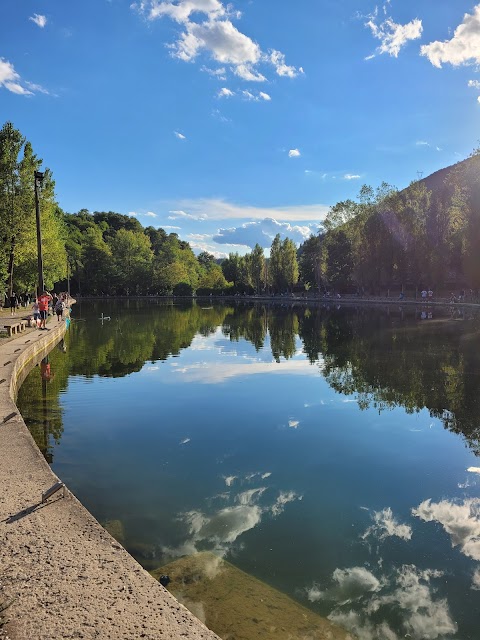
(67, 577)
(288, 300)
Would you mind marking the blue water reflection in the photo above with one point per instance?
(329, 453)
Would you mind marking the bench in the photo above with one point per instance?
(14, 328)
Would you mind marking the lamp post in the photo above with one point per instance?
(38, 185)
(68, 278)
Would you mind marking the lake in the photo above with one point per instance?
(330, 452)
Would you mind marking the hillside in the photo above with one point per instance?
(427, 235)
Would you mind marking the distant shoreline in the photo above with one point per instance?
(316, 300)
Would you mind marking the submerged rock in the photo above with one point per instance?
(115, 529)
(238, 606)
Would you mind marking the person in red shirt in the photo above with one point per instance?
(43, 302)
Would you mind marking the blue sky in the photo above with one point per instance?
(228, 123)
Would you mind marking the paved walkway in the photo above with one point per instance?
(67, 577)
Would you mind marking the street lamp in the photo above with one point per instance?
(38, 185)
(68, 277)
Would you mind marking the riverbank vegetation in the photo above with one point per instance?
(427, 235)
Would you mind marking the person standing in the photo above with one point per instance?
(43, 302)
(13, 303)
(36, 314)
(59, 308)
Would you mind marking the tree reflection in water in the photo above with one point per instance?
(386, 356)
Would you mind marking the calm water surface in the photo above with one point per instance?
(330, 452)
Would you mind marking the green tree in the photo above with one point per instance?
(275, 265)
(232, 269)
(132, 258)
(257, 268)
(289, 263)
(97, 261)
(309, 256)
(13, 218)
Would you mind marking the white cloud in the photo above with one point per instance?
(474, 469)
(476, 580)
(349, 584)
(179, 135)
(294, 153)
(425, 617)
(407, 596)
(217, 531)
(39, 20)
(203, 374)
(219, 73)
(217, 209)
(134, 214)
(251, 496)
(150, 214)
(10, 79)
(181, 11)
(278, 60)
(393, 37)
(461, 521)
(363, 629)
(262, 233)
(170, 226)
(386, 526)
(474, 83)
(216, 35)
(351, 176)
(463, 48)
(36, 88)
(176, 214)
(225, 43)
(284, 498)
(248, 95)
(246, 72)
(293, 424)
(225, 93)
(199, 237)
(198, 247)
(423, 143)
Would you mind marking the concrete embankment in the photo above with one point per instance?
(65, 575)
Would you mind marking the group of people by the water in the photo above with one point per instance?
(47, 302)
(427, 294)
(17, 300)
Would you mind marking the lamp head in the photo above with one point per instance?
(39, 176)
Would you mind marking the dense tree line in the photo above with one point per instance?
(113, 254)
(425, 235)
(253, 273)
